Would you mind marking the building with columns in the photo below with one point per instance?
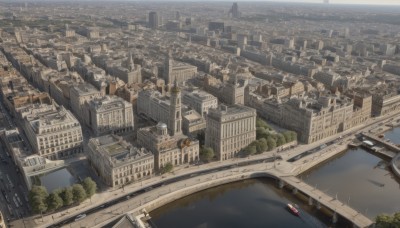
(177, 71)
(117, 162)
(230, 129)
(199, 100)
(161, 109)
(109, 114)
(176, 149)
(54, 133)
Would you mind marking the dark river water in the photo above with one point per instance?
(356, 176)
(250, 203)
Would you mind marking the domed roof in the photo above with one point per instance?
(161, 125)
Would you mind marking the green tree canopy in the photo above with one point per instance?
(288, 136)
(206, 154)
(38, 204)
(78, 192)
(90, 186)
(280, 140)
(271, 143)
(167, 168)
(67, 196)
(250, 149)
(261, 123)
(37, 199)
(54, 202)
(294, 135)
(388, 221)
(39, 191)
(262, 145)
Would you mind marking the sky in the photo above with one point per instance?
(372, 2)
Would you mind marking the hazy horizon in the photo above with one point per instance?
(348, 2)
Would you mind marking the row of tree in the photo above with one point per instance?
(388, 221)
(42, 202)
(268, 139)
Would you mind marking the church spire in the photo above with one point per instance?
(131, 64)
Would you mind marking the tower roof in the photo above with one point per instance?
(175, 88)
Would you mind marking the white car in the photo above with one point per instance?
(79, 217)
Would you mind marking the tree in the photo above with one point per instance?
(262, 145)
(206, 154)
(38, 205)
(280, 140)
(38, 191)
(271, 143)
(78, 192)
(167, 168)
(90, 187)
(387, 221)
(37, 199)
(384, 221)
(67, 196)
(261, 123)
(288, 136)
(54, 202)
(250, 149)
(294, 135)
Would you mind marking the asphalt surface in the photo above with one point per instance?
(155, 186)
(13, 191)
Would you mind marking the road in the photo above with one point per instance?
(328, 144)
(13, 191)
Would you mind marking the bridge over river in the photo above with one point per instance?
(282, 171)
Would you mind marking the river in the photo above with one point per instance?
(357, 177)
(250, 203)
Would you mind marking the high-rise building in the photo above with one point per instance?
(153, 20)
(235, 10)
(230, 129)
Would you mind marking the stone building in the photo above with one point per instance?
(230, 92)
(117, 162)
(54, 133)
(314, 118)
(385, 102)
(161, 109)
(230, 129)
(127, 72)
(199, 100)
(79, 95)
(176, 149)
(109, 114)
(177, 71)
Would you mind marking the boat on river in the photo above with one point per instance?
(293, 209)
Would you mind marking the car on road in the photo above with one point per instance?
(79, 217)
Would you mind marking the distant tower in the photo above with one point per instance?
(175, 116)
(168, 64)
(177, 16)
(153, 20)
(235, 10)
(130, 63)
(18, 36)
